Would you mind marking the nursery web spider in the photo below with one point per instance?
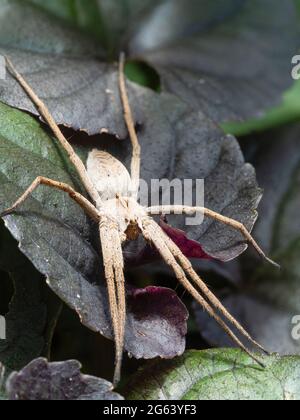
(113, 193)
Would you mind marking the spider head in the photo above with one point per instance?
(125, 212)
(135, 213)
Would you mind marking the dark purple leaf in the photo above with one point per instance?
(45, 381)
(156, 312)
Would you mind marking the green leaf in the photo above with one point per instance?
(217, 375)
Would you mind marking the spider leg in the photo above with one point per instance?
(216, 216)
(152, 233)
(215, 302)
(136, 148)
(82, 201)
(45, 113)
(118, 263)
(113, 266)
(187, 266)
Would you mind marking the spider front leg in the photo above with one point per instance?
(114, 273)
(45, 113)
(82, 201)
(213, 215)
(153, 233)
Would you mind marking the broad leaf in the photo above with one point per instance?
(45, 381)
(217, 375)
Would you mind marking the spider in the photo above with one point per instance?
(114, 206)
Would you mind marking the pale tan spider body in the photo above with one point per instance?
(109, 175)
(113, 183)
(113, 193)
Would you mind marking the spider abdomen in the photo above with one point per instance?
(108, 174)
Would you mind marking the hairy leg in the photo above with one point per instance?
(82, 201)
(215, 302)
(118, 263)
(113, 266)
(213, 215)
(152, 232)
(45, 113)
(136, 149)
(187, 266)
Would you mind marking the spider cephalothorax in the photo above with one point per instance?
(113, 192)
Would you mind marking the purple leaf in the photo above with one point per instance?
(149, 254)
(45, 381)
(157, 323)
(189, 247)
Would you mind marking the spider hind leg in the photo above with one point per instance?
(170, 253)
(114, 274)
